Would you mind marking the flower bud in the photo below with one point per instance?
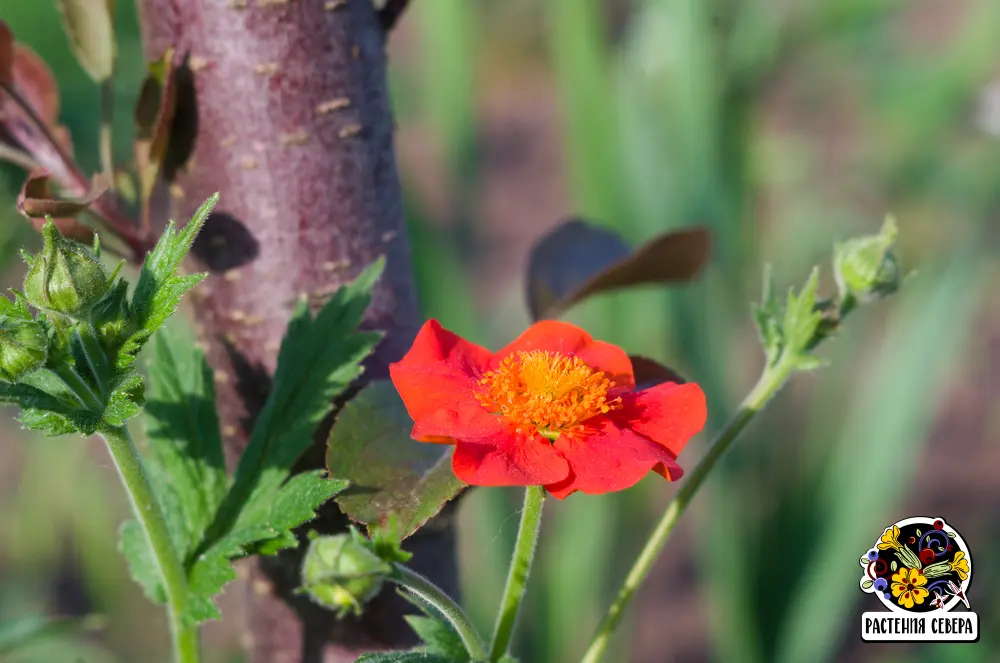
(341, 573)
(64, 277)
(865, 267)
(23, 348)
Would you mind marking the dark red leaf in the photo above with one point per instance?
(6, 53)
(649, 372)
(29, 114)
(37, 201)
(578, 259)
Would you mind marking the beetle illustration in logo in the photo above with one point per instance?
(920, 569)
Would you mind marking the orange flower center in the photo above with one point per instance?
(546, 391)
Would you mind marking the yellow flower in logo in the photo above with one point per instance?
(890, 539)
(908, 587)
(960, 565)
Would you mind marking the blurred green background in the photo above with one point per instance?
(783, 126)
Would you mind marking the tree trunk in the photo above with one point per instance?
(295, 130)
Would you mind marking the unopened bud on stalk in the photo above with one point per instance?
(23, 348)
(64, 277)
(865, 267)
(341, 573)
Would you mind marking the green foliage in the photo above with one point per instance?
(319, 358)
(392, 477)
(405, 657)
(188, 465)
(88, 381)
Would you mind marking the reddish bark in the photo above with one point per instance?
(295, 130)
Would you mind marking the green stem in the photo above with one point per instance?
(770, 382)
(520, 567)
(106, 136)
(80, 388)
(150, 517)
(451, 611)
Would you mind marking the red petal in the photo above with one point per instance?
(607, 458)
(509, 458)
(668, 413)
(564, 338)
(437, 380)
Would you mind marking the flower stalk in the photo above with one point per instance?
(434, 595)
(520, 568)
(771, 381)
(150, 517)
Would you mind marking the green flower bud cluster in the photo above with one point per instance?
(342, 572)
(865, 267)
(65, 278)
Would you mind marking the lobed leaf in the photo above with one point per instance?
(269, 522)
(133, 544)
(391, 475)
(319, 358)
(159, 289)
(183, 431)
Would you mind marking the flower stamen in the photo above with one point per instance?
(546, 391)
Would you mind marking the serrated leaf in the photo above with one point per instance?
(390, 473)
(159, 289)
(90, 27)
(259, 530)
(319, 358)
(49, 423)
(126, 400)
(767, 316)
(405, 657)
(801, 317)
(134, 545)
(184, 437)
(439, 637)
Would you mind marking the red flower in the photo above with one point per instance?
(554, 408)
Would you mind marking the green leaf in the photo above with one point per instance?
(265, 523)
(159, 289)
(767, 315)
(407, 657)
(184, 438)
(390, 473)
(90, 27)
(801, 317)
(439, 637)
(319, 359)
(134, 545)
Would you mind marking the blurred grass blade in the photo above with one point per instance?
(33, 628)
(885, 427)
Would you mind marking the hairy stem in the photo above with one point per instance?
(150, 518)
(520, 567)
(769, 383)
(431, 593)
